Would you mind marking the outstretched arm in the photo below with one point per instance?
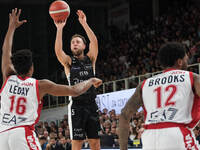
(93, 47)
(60, 54)
(130, 108)
(6, 66)
(49, 87)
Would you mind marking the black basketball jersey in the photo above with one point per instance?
(80, 71)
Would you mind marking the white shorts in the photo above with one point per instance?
(175, 138)
(21, 138)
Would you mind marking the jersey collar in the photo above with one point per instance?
(22, 78)
(169, 69)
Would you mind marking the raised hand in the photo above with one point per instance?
(60, 24)
(14, 18)
(81, 16)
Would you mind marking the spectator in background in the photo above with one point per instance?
(64, 144)
(46, 126)
(46, 135)
(52, 144)
(143, 41)
(43, 142)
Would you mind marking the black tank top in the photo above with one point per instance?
(82, 70)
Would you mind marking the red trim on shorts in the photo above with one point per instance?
(30, 139)
(189, 140)
(4, 84)
(163, 125)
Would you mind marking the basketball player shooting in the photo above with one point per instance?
(82, 110)
(21, 95)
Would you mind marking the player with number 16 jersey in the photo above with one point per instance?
(21, 95)
(21, 104)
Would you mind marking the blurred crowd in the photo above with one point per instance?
(55, 136)
(133, 52)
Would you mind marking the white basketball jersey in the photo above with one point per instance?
(169, 97)
(20, 104)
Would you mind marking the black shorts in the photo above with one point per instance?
(83, 121)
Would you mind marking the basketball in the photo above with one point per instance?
(59, 10)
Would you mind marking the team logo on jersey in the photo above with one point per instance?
(9, 119)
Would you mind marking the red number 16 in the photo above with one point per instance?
(20, 107)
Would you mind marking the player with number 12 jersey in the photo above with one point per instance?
(174, 99)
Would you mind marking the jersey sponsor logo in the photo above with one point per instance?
(166, 80)
(78, 135)
(163, 115)
(9, 119)
(178, 72)
(78, 132)
(27, 84)
(14, 89)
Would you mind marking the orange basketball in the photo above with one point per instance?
(59, 10)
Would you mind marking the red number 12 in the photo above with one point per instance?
(168, 101)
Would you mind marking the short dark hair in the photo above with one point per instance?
(22, 61)
(170, 52)
(80, 36)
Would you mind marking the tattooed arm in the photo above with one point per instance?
(130, 108)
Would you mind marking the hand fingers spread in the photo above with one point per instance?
(24, 21)
(15, 11)
(19, 12)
